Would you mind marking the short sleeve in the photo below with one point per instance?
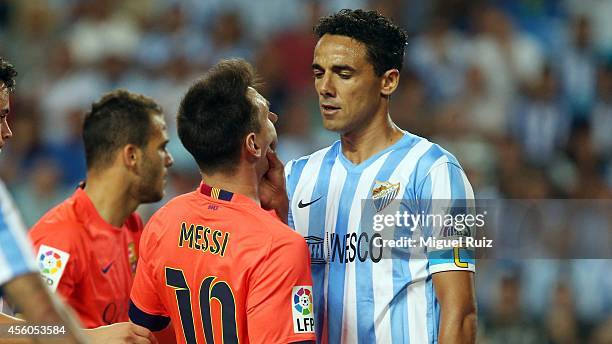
(447, 195)
(146, 307)
(58, 255)
(280, 300)
(16, 257)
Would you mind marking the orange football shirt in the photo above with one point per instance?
(222, 269)
(89, 262)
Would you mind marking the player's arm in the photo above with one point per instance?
(276, 282)
(38, 305)
(455, 293)
(121, 333)
(446, 190)
(272, 189)
(57, 252)
(146, 309)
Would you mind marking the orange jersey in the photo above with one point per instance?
(89, 262)
(222, 269)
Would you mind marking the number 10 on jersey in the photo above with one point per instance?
(209, 289)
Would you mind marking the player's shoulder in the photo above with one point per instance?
(59, 220)
(429, 155)
(186, 202)
(266, 226)
(318, 155)
(182, 204)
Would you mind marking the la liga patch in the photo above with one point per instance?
(302, 309)
(52, 263)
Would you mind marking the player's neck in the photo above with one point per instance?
(111, 197)
(241, 182)
(361, 144)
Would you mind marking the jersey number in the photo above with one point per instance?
(209, 289)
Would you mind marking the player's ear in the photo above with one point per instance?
(251, 146)
(389, 82)
(131, 155)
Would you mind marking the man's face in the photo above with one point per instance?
(156, 160)
(266, 138)
(5, 131)
(349, 90)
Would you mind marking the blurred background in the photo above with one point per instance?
(519, 90)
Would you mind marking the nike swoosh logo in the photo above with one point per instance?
(303, 205)
(105, 269)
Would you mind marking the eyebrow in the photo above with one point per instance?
(335, 68)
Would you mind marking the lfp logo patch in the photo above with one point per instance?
(303, 317)
(52, 263)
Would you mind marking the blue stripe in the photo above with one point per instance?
(294, 176)
(364, 282)
(316, 227)
(459, 203)
(433, 310)
(424, 204)
(337, 269)
(426, 192)
(11, 251)
(423, 168)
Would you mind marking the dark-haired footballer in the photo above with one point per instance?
(365, 291)
(213, 262)
(88, 245)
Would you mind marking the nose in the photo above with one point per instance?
(326, 86)
(5, 131)
(169, 160)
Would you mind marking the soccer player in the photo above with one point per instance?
(213, 261)
(363, 294)
(19, 278)
(87, 245)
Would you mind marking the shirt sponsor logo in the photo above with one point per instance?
(303, 317)
(344, 249)
(52, 262)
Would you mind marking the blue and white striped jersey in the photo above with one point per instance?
(361, 296)
(16, 256)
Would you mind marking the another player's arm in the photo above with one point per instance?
(38, 305)
(456, 295)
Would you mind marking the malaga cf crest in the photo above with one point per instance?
(383, 193)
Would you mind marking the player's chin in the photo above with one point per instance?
(154, 196)
(334, 126)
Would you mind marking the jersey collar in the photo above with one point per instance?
(87, 212)
(216, 193)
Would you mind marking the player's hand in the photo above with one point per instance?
(272, 190)
(124, 332)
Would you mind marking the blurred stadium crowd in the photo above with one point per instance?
(519, 90)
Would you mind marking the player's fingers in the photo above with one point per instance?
(152, 338)
(141, 331)
(140, 340)
(273, 160)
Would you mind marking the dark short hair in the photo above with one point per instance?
(7, 74)
(117, 119)
(215, 115)
(385, 41)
